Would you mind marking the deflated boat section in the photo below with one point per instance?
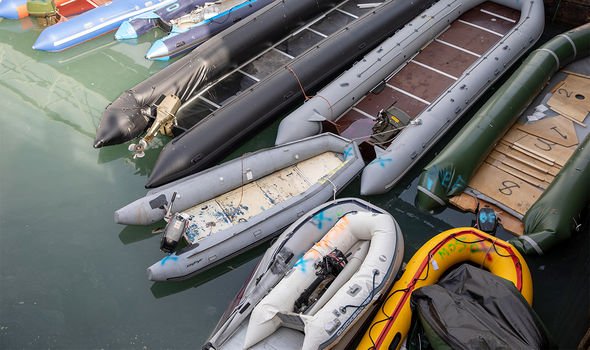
(449, 173)
(557, 213)
(128, 116)
(213, 137)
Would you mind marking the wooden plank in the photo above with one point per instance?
(372, 103)
(520, 174)
(469, 38)
(529, 161)
(469, 203)
(572, 98)
(556, 129)
(244, 203)
(208, 218)
(540, 148)
(538, 175)
(507, 189)
(315, 168)
(282, 185)
(486, 20)
(445, 58)
(422, 82)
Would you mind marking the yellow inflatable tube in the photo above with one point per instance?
(392, 322)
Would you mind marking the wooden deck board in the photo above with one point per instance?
(422, 82)
(433, 70)
(250, 200)
(486, 20)
(373, 103)
(469, 38)
(445, 58)
(500, 10)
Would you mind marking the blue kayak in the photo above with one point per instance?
(141, 24)
(13, 9)
(94, 23)
(184, 38)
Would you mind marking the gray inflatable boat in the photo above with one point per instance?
(236, 205)
(405, 94)
(286, 258)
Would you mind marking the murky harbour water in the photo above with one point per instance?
(72, 279)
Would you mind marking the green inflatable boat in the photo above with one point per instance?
(538, 93)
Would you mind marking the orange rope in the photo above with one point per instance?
(305, 94)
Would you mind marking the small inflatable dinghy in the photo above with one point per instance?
(319, 282)
(236, 205)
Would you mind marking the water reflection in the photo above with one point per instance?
(133, 234)
(164, 289)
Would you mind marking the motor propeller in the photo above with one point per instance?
(138, 149)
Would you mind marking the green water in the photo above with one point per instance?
(72, 279)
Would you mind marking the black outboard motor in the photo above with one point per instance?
(173, 233)
(389, 123)
(326, 271)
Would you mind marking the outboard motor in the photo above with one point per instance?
(326, 271)
(389, 123)
(173, 233)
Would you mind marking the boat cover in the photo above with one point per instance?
(471, 308)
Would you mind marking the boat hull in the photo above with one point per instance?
(230, 333)
(214, 136)
(92, 24)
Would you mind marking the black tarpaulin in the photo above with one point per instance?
(471, 308)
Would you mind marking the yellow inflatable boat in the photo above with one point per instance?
(392, 322)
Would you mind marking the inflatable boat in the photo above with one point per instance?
(390, 326)
(471, 308)
(404, 95)
(141, 24)
(13, 9)
(130, 114)
(61, 10)
(195, 28)
(287, 302)
(514, 153)
(235, 205)
(238, 116)
(93, 23)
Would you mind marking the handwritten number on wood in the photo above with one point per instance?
(546, 145)
(563, 91)
(508, 186)
(559, 132)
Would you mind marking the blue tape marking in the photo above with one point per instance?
(347, 152)
(168, 257)
(302, 264)
(483, 217)
(320, 218)
(382, 161)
